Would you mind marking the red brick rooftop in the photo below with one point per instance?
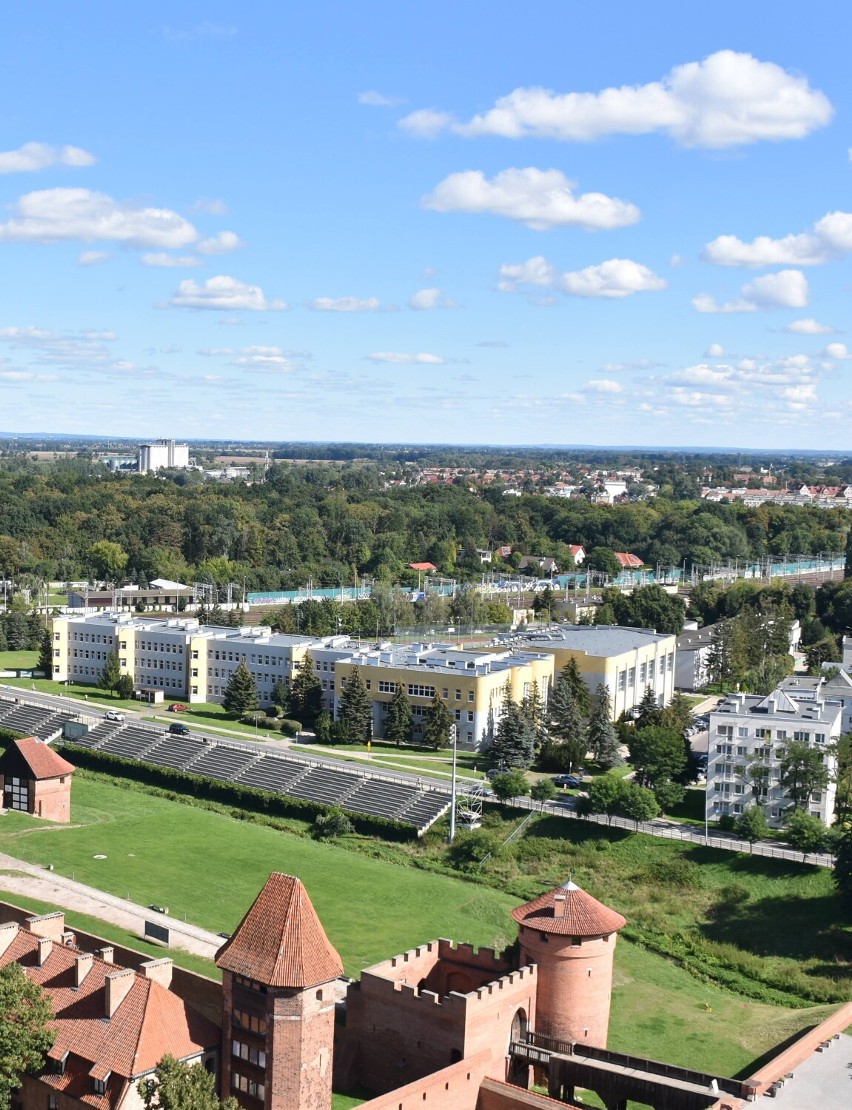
(280, 941)
(570, 911)
(42, 760)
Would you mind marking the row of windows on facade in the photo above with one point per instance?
(766, 752)
(738, 808)
(801, 735)
(417, 690)
(627, 677)
(731, 787)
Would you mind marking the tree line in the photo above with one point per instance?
(74, 520)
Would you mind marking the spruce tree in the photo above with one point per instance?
(355, 713)
(109, 676)
(437, 724)
(514, 740)
(534, 711)
(567, 727)
(241, 692)
(571, 674)
(45, 655)
(399, 718)
(305, 692)
(603, 739)
(647, 712)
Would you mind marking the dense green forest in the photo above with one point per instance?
(72, 519)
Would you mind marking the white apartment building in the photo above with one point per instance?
(749, 731)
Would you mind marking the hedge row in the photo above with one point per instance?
(248, 798)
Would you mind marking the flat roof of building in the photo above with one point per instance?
(593, 639)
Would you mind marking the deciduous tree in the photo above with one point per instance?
(179, 1086)
(25, 1037)
(803, 771)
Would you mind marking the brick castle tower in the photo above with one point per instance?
(278, 978)
(571, 937)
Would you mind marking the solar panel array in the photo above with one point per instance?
(294, 777)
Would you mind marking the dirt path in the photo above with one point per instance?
(68, 894)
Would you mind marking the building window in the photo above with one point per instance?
(252, 1023)
(417, 690)
(247, 1086)
(249, 1053)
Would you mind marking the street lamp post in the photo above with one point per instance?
(454, 735)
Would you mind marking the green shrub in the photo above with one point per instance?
(674, 872)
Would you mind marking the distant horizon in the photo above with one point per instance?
(437, 445)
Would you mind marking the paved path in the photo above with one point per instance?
(68, 894)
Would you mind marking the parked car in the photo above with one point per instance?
(176, 707)
(114, 715)
(179, 730)
(567, 780)
(493, 772)
(701, 760)
(479, 790)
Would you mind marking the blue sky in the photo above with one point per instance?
(459, 222)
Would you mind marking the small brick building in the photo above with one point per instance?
(35, 780)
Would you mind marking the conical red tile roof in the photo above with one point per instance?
(571, 911)
(280, 941)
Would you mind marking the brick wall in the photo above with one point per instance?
(452, 1088)
(51, 799)
(397, 1032)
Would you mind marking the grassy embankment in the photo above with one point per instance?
(210, 866)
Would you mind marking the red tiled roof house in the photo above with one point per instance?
(35, 780)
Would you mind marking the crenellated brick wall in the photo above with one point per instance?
(398, 1030)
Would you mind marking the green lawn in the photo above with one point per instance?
(210, 867)
(18, 660)
(659, 1011)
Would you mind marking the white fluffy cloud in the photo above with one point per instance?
(225, 294)
(837, 351)
(222, 243)
(602, 385)
(345, 304)
(785, 289)
(808, 327)
(54, 215)
(715, 350)
(829, 238)
(425, 299)
(213, 206)
(40, 156)
(270, 359)
(398, 358)
(541, 199)
(726, 100)
(615, 278)
(93, 258)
